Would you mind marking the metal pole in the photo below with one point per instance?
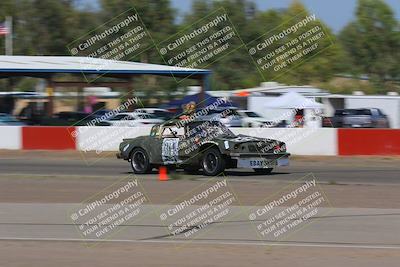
(130, 93)
(205, 86)
(80, 106)
(9, 36)
(50, 96)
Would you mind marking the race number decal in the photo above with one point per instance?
(170, 150)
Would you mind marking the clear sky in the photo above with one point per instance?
(335, 13)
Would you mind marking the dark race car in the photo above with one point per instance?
(206, 145)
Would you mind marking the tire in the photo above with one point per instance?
(140, 161)
(212, 162)
(250, 125)
(263, 171)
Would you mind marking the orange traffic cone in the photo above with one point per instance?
(162, 175)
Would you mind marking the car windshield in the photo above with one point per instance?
(208, 128)
(344, 112)
(118, 117)
(101, 112)
(362, 112)
(252, 114)
(146, 116)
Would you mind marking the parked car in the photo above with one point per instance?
(67, 118)
(132, 119)
(365, 118)
(227, 116)
(206, 145)
(101, 112)
(252, 119)
(9, 120)
(157, 112)
(337, 119)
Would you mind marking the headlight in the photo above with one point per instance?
(226, 144)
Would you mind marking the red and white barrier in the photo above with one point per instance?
(48, 138)
(368, 142)
(325, 141)
(10, 137)
(322, 141)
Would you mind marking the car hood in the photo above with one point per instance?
(241, 138)
(257, 119)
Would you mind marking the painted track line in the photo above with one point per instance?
(213, 242)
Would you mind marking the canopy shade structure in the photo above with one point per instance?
(196, 98)
(293, 100)
(47, 67)
(43, 66)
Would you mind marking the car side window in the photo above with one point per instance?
(172, 132)
(117, 117)
(374, 112)
(380, 113)
(154, 130)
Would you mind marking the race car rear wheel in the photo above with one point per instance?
(263, 171)
(140, 161)
(212, 162)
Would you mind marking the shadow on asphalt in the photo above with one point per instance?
(226, 173)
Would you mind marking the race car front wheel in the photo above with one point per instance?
(140, 161)
(212, 162)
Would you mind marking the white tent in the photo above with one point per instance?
(293, 100)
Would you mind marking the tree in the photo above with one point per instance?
(320, 64)
(233, 67)
(157, 16)
(372, 41)
(158, 19)
(45, 27)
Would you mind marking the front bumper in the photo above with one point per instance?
(260, 155)
(259, 161)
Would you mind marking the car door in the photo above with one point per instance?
(171, 145)
(154, 145)
(380, 119)
(163, 147)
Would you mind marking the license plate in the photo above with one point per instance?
(283, 162)
(256, 163)
(356, 125)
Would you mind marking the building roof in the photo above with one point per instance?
(395, 97)
(274, 88)
(46, 65)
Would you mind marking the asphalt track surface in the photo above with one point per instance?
(331, 170)
(335, 227)
(348, 234)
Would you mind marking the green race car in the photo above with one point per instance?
(206, 145)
